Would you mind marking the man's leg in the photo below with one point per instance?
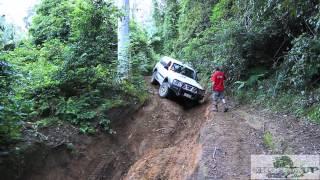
(215, 97)
(224, 103)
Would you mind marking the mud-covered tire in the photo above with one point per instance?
(205, 98)
(164, 90)
(201, 101)
(153, 78)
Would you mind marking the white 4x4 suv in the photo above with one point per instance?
(178, 78)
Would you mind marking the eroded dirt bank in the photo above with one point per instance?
(165, 139)
(163, 132)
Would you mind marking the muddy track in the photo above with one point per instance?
(228, 141)
(169, 139)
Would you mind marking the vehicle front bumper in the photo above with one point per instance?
(179, 91)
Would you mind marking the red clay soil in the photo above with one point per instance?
(160, 140)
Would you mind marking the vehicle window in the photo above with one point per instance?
(183, 70)
(176, 68)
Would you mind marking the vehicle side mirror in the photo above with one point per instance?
(196, 78)
(167, 65)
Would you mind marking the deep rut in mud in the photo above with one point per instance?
(165, 139)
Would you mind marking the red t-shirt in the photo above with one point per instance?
(218, 78)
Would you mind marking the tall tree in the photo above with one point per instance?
(123, 39)
(8, 32)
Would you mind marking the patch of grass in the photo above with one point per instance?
(87, 128)
(244, 96)
(268, 140)
(46, 122)
(287, 102)
(314, 114)
(113, 103)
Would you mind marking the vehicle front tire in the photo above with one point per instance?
(201, 100)
(164, 90)
(153, 78)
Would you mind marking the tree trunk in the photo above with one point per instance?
(123, 40)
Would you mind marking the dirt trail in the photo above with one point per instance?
(229, 139)
(165, 139)
(219, 145)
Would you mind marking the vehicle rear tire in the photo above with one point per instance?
(164, 90)
(153, 78)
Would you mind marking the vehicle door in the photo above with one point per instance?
(163, 70)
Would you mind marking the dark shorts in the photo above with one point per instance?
(217, 95)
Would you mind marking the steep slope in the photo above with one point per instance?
(168, 139)
(162, 127)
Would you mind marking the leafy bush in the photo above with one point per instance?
(10, 114)
(67, 70)
(314, 115)
(52, 21)
(9, 111)
(143, 58)
(302, 64)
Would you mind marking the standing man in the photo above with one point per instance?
(217, 79)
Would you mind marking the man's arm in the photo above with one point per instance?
(213, 78)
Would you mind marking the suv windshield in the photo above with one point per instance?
(183, 70)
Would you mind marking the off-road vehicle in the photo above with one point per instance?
(176, 78)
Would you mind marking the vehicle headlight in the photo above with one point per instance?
(194, 90)
(177, 83)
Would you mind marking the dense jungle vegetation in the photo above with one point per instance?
(270, 49)
(65, 69)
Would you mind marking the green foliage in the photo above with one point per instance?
(9, 108)
(86, 129)
(142, 55)
(268, 140)
(67, 71)
(75, 110)
(26, 57)
(219, 10)
(243, 36)
(86, 65)
(46, 122)
(314, 114)
(254, 78)
(301, 66)
(52, 21)
(166, 19)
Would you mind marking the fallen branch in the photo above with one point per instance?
(214, 152)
